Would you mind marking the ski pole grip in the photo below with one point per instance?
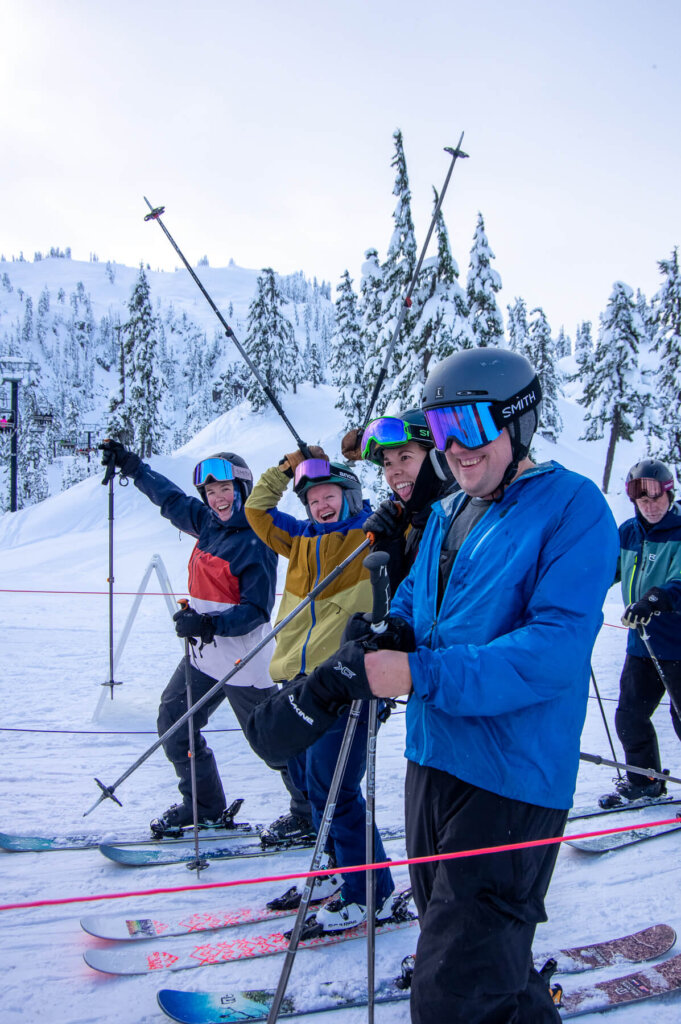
(377, 564)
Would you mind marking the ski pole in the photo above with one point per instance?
(199, 862)
(108, 792)
(155, 214)
(109, 476)
(406, 305)
(605, 721)
(322, 836)
(650, 773)
(645, 636)
(376, 563)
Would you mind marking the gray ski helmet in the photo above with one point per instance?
(343, 478)
(651, 469)
(505, 379)
(243, 482)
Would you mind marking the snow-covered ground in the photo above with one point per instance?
(58, 732)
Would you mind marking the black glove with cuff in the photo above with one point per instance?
(190, 623)
(386, 521)
(653, 602)
(399, 636)
(115, 452)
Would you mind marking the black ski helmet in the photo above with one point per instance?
(651, 469)
(505, 379)
(243, 483)
(343, 478)
(417, 430)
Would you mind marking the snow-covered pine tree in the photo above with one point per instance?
(562, 344)
(442, 327)
(270, 341)
(543, 358)
(482, 285)
(518, 329)
(584, 350)
(348, 354)
(369, 308)
(144, 383)
(398, 271)
(667, 344)
(614, 388)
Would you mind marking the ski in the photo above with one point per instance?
(253, 1005)
(618, 840)
(228, 828)
(135, 959)
(627, 805)
(140, 855)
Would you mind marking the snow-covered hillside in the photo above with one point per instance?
(54, 658)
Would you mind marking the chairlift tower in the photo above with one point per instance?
(13, 371)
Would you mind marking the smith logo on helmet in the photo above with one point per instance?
(526, 402)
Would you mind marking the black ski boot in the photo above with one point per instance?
(178, 818)
(404, 980)
(288, 830)
(627, 791)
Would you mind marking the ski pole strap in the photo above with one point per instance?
(377, 565)
(650, 773)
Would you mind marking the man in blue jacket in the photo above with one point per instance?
(650, 571)
(491, 635)
(505, 601)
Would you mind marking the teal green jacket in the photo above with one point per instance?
(651, 557)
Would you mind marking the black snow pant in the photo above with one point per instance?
(477, 914)
(210, 794)
(641, 690)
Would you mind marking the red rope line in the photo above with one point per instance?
(481, 851)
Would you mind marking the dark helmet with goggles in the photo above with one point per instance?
(312, 472)
(473, 394)
(649, 478)
(222, 467)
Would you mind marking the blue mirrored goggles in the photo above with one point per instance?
(471, 426)
(217, 470)
(389, 432)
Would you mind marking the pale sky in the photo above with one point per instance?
(265, 128)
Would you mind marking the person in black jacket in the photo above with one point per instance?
(416, 473)
(232, 577)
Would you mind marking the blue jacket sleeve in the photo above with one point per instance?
(539, 659)
(184, 512)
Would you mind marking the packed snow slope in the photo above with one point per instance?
(61, 729)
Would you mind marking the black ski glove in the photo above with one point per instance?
(399, 636)
(190, 623)
(293, 719)
(653, 602)
(116, 453)
(386, 521)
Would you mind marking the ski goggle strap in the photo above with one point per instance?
(647, 486)
(311, 469)
(218, 470)
(471, 426)
(389, 432)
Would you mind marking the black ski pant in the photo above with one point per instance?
(641, 690)
(477, 914)
(210, 794)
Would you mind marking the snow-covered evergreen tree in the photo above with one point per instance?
(584, 350)
(562, 344)
(348, 354)
(144, 384)
(542, 355)
(442, 326)
(398, 269)
(667, 344)
(270, 341)
(519, 330)
(482, 285)
(614, 390)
